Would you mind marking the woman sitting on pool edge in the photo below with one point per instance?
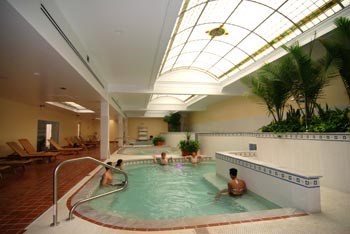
(163, 160)
(235, 187)
(107, 178)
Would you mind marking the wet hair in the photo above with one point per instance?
(119, 162)
(233, 172)
(109, 163)
(163, 153)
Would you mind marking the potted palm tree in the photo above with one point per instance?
(188, 146)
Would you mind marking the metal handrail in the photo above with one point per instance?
(55, 181)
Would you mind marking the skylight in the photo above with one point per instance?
(183, 98)
(72, 106)
(222, 37)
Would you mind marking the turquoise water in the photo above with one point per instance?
(149, 150)
(175, 191)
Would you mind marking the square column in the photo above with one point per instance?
(104, 129)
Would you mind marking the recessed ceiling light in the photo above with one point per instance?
(36, 74)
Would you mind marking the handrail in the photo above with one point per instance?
(55, 181)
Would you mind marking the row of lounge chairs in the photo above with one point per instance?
(28, 151)
(26, 154)
(78, 141)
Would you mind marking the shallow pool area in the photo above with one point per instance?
(148, 150)
(175, 191)
(153, 205)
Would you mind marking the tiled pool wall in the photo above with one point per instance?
(281, 186)
(325, 154)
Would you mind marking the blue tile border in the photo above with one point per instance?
(339, 137)
(308, 182)
(150, 161)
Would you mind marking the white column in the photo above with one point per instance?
(120, 131)
(104, 131)
(126, 130)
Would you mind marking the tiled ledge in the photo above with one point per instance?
(243, 159)
(86, 212)
(341, 137)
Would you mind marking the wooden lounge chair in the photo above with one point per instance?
(87, 143)
(24, 154)
(3, 168)
(18, 163)
(73, 143)
(31, 150)
(64, 149)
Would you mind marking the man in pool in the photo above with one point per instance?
(163, 160)
(235, 187)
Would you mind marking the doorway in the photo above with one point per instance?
(46, 131)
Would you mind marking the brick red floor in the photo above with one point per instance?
(25, 195)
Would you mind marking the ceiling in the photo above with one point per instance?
(114, 50)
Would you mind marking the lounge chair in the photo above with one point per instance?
(87, 143)
(72, 142)
(31, 150)
(24, 154)
(64, 149)
(3, 168)
(18, 163)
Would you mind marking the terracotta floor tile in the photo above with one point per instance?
(25, 195)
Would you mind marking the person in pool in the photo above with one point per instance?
(194, 158)
(163, 160)
(107, 178)
(119, 164)
(235, 187)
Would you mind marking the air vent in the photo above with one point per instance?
(71, 45)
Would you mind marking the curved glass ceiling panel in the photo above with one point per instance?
(218, 47)
(206, 60)
(236, 55)
(275, 24)
(217, 11)
(195, 46)
(221, 37)
(181, 37)
(190, 19)
(257, 14)
(234, 36)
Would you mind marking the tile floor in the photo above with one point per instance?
(25, 195)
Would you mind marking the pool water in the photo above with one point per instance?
(149, 150)
(175, 191)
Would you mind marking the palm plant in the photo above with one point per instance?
(307, 78)
(271, 85)
(338, 50)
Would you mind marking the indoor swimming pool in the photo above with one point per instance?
(168, 197)
(175, 191)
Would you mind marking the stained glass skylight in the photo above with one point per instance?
(221, 37)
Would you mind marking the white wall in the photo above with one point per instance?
(211, 143)
(328, 156)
